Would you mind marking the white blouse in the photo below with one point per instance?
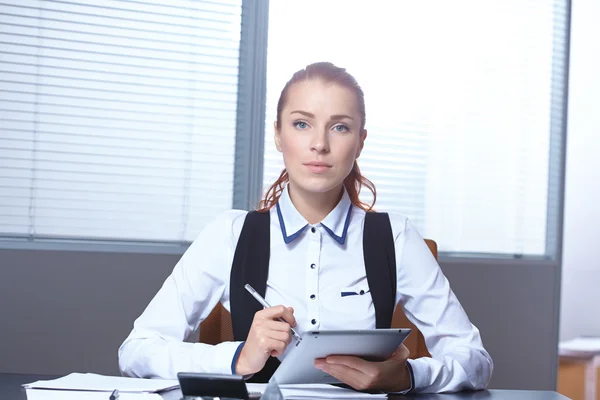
(309, 269)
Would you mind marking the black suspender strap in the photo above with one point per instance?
(251, 265)
(380, 265)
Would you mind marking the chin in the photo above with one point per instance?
(317, 185)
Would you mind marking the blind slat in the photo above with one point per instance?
(147, 70)
(211, 84)
(14, 121)
(143, 63)
(77, 11)
(65, 38)
(118, 51)
(89, 169)
(92, 86)
(20, 102)
(106, 145)
(109, 138)
(54, 114)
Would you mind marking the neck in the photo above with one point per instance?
(314, 207)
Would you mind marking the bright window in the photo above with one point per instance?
(459, 99)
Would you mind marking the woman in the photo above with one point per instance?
(306, 247)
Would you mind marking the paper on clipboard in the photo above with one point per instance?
(101, 383)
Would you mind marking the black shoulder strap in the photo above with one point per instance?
(251, 265)
(380, 265)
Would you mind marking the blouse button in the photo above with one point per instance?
(313, 266)
(313, 230)
(312, 296)
(313, 321)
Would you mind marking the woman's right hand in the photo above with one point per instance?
(267, 337)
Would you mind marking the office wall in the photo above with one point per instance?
(69, 311)
(580, 311)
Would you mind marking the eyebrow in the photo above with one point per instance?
(333, 117)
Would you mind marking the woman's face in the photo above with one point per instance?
(319, 135)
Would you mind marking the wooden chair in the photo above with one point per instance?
(217, 328)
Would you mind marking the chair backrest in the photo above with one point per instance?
(217, 328)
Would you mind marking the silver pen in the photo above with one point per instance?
(114, 395)
(264, 303)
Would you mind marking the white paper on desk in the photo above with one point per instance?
(584, 345)
(313, 391)
(102, 383)
(50, 394)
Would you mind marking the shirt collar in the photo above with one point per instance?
(293, 223)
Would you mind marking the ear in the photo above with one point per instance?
(363, 137)
(277, 136)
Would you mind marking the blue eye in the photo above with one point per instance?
(341, 128)
(300, 124)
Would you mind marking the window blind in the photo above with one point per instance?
(459, 99)
(118, 117)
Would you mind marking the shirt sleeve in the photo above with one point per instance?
(459, 361)
(162, 342)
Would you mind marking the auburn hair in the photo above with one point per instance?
(328, 73)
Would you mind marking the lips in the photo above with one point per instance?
(317, 167)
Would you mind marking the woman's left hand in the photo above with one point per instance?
(391, 375)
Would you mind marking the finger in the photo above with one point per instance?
(287, 313)
(288, 316)
(350, 376)
(319, 363)
(278, 348)
(352, 362)
(284, 337)
(268, 345)
(271, 312)
(402, 353)
(277, 326)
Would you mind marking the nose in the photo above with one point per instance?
(320, 141)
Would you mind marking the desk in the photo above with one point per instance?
(10, 389)
(579, 376)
